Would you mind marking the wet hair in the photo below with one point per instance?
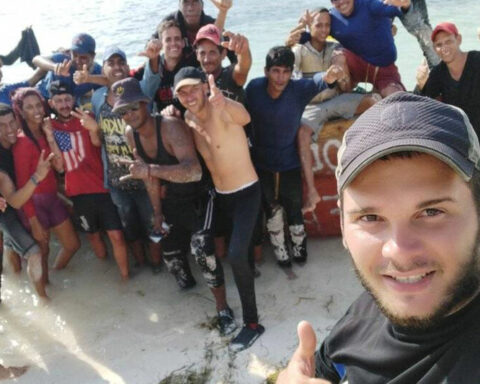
(166, 24)
(279, 56)
(17, 103)
(5, 109)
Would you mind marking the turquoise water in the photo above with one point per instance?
(130, 23)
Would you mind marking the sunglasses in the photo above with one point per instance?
(129, 108)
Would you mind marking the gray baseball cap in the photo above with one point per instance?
(407, 122)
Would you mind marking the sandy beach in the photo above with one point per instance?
(98, 330)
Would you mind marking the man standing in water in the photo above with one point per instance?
(220, 138)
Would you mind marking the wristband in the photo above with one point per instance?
(34, 179)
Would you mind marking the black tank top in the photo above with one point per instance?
(174, 190)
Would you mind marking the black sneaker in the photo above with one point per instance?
(284, 263)
(246, 337)
(226, 322)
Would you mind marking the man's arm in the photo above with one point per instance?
(16, 198)
(223, 6)
(152, 185)
(433, 85)
(179, 143)
(151, 76)
(240, 46)
(389, 8)
(58, 64)
(38, 75)
(220, 103)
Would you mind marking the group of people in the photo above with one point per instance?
(183, 156)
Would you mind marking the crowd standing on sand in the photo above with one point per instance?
(183, 155)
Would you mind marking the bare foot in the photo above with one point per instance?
(313, 198)
(11, 372)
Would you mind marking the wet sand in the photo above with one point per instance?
(99, 330)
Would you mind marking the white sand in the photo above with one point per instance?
(98, 330)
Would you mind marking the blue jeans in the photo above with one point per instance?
(417, 24)
(135, 210)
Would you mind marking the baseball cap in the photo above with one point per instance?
(59, 87)
(209, 32)
(83, 43)
(188, 76)
(113, 50)
(445, 27)
(126, 92)
(407, 122)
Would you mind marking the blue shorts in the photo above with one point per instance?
(14, 234)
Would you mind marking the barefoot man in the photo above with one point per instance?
(219, 136)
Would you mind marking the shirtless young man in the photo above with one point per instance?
(165, 151)
(219, 136)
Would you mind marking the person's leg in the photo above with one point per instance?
(97, 244)
(34, 271)
(69, 241)
(245, 205)
(388, 80)
(175, 245)
(145, 211)
(130, 222)
(20, 242)
(416, 22)
(120, 253)
(109, 221)
(304, 140)
(274, 213)
(13, 259)
(291, 197)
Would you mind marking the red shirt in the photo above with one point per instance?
(82, 160)
(26, 155)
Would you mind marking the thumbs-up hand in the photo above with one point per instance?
(81, 76)
(301, 368)
(216, 98)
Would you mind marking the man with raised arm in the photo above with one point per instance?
(314, 56)
(408, 180)
(165, 153)
(190, 17)
(61, 66)
(276, 103)
(217, 123)
(15, 237)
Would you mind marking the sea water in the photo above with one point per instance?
(129, 24)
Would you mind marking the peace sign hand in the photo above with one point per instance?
(43, 165)
(86, 119)
(137, 168)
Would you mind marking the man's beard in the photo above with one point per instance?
(460, 291)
